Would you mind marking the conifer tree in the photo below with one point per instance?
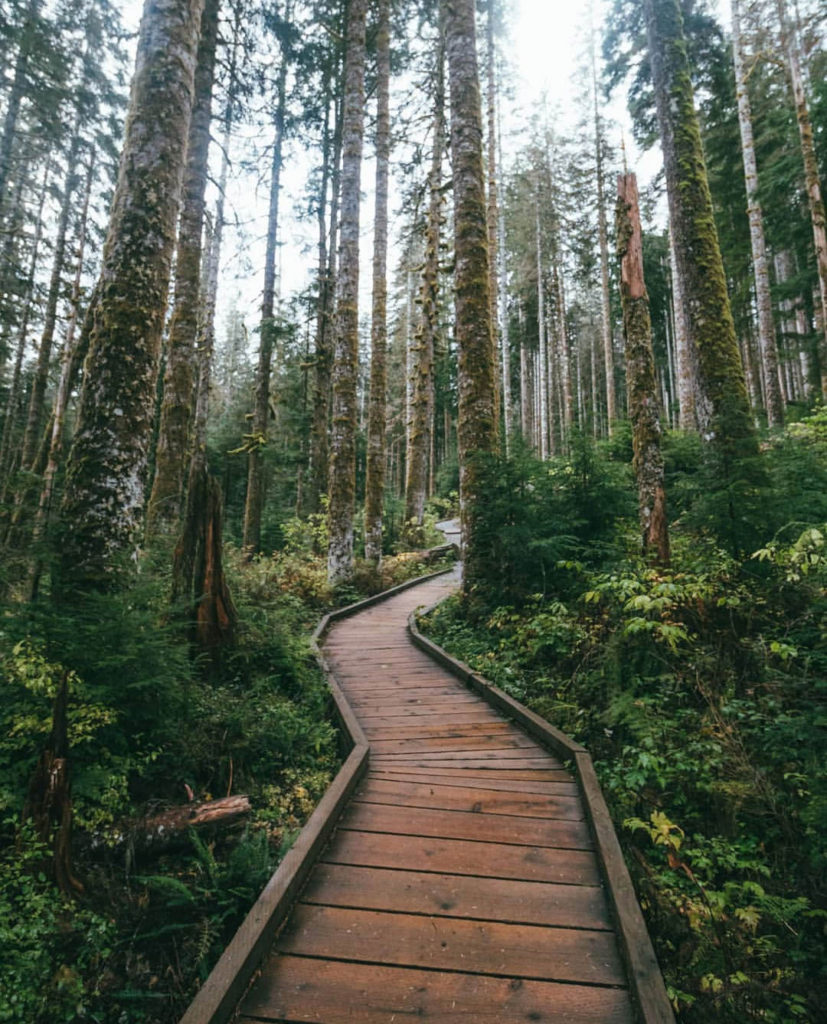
(375, 474)
(476, 372)
(722, 406)
(103, 502)
(342, 478)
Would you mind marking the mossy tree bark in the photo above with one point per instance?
(684, 349)
(722, 405)
(421, 352)
(342, 478)
(103, 503)
(760, 265)
(175, 432)
(541, 337)
(476, 430)
(321, 360)
(257, 439)
(375, 478)
(640, 375)
(603, 242)
(493, 217)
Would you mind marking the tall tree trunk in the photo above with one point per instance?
(17, 92)
(507, 410)
(69, 364)
(375, 474)
(542, 377)
(104, 499)
(422, 351)
(492, 214)
(603, 241)
(476, 431)
(766, 327)
(323, 355)
(728, 427)
(565, 359)
(40, 381)
(811, 178)
(13, 402)
(640, 372)
(684, 348)
(254, 503)
(174, 435)
(342, 479)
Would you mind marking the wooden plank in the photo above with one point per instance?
(456, 743)
(566, 786)
(460, 857)
(413, 719)
(489, 899)
(448, 944)
(332, 992)
(426, 730)
(490, 776)
(470, 759)
(500, 828)
(477, 801)
(399, 696)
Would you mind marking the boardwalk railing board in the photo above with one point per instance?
(218, 997)
(646, 981)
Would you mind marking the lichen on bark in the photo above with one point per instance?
(103, 505)
(476, 427)
(342, 477)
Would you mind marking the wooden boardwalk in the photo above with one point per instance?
(462, 883)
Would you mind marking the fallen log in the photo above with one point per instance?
(157, 833)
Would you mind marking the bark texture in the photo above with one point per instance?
(476, 428)
(640, 375)
(104, 499)
(603, 241)
(375, 479)
(175, 433)
(760, 265)
(728, 427)
(342, 478)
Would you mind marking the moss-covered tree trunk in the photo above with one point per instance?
(722, 405)
(175, 432)
(103, 503)
(603, 242)
(640, 375)
(421, 352)
(342, 478)
(257, 441)
(684, 350)
(375, 478)
(760, 265)
(476, 429)
(317, 483)
(493, 216)
(812, 182)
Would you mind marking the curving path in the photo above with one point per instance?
(461, 884)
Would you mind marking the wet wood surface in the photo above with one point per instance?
(462, 883)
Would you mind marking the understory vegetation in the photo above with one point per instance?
(150, 728)
(700, 690)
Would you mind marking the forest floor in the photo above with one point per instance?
(151, 730)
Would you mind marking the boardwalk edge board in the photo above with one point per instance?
(217, 999)
(651, 1001)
